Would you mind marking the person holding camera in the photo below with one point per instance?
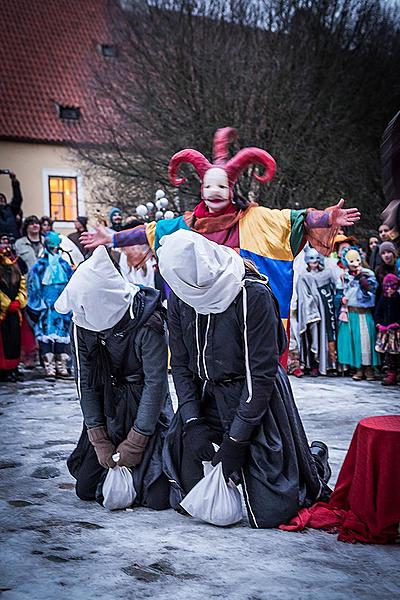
(9, 211)
(13, 299)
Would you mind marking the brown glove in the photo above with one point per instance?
(131, 450)
(102, 446)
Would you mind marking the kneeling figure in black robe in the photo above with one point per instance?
(226, 338)
(120, 363)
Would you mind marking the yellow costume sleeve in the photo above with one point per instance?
(151, 234)
(22, 295)
(4, 304)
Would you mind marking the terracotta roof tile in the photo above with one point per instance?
(47, 52)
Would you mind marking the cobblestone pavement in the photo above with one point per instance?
(55, 546)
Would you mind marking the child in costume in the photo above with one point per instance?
(356, 330)
(47, 279)
(341, 242)
(316, 315)
(387, 318)
(13, 299)
(270, 238)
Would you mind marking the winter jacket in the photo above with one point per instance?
(133, 353)
(25, 249)
(230, 346)
(388, 310)
(383, 269)
(8, 223)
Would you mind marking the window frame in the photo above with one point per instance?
(46, 174)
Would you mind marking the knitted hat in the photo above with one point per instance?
(391, 280)
(387, 247)
(113, 212)
(82, 220)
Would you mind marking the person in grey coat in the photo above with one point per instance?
(120, 361)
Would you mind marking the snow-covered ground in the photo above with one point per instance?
(55, 546)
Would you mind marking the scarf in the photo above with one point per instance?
(202, 221)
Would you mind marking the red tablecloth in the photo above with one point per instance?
(365, 505)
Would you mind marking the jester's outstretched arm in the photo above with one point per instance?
(317, 224)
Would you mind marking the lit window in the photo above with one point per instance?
(63, 196)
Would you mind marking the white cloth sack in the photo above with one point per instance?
(213, 500)
(118, 490)
(205, 275)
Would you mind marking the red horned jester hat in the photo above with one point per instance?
(233, 167)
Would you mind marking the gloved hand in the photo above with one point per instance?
(103, 447)
(14, 306)
(197, 440)
(131, 450)
(232, 454)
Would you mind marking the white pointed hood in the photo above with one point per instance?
(203, 274)
(97, 294)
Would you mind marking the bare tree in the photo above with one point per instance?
(312, 82)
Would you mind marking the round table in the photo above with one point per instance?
(365, 505)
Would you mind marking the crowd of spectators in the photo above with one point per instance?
(345, 317)
(345, 308)
(36, 263)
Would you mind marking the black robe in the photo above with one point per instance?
(209, 367)
(121, 377)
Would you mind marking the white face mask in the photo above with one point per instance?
(353, 260)
(215, 189)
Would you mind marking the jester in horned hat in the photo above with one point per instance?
(270, 238)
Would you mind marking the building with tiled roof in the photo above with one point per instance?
(47, 54)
